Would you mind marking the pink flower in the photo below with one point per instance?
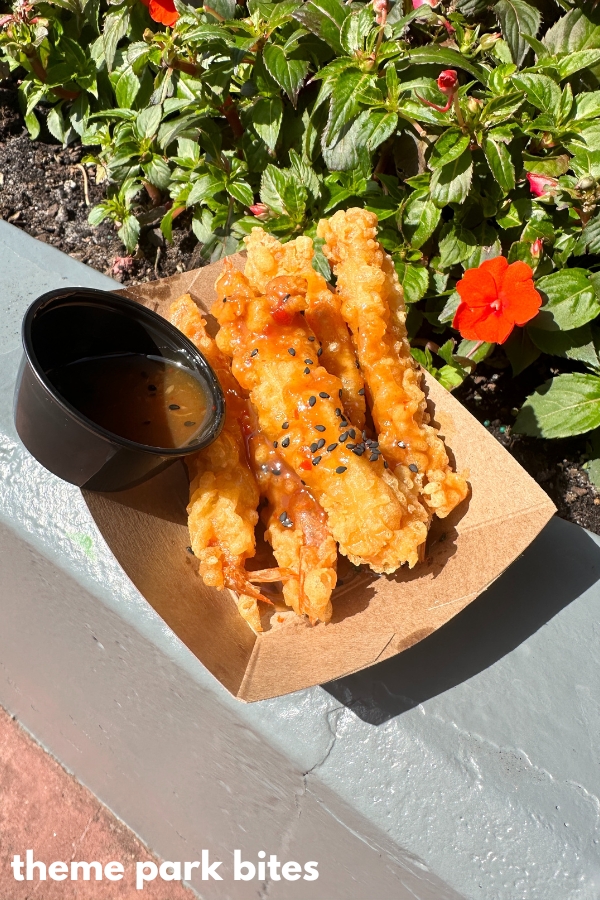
(381, 10)
(259, 210)
(418, 3)
(448, 82)
(541, 184)
(537, 248)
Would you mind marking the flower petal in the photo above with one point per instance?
(520, 300)
(477, 289)
(163, 11)
(496, 268)
(466, 320)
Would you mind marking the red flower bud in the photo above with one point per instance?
(381, 10)
(259, 210)
(537, 248)
(448, 82)
(541, 184)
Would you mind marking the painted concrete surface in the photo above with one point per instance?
(470, 760)
(37, 797)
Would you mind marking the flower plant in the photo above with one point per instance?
(472, 128)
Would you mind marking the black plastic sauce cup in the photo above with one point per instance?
(68, 325)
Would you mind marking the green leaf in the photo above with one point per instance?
(56, 124)
(448, 147)
(593, 471)
(574, 62)
(127, 87)
(587, 105)
(553, 166)
(517, 18)
(116, 25)
(420, 218)
(99, 213)
(33, 125)
(158, 172)
(456, 244)
(446, 316)
(288, 73)
(563, 407)
(500, 163)
(541, 91)
(576, 344)
(579, 29)
(444, 56)
(488, 246)
(451, 183)
(267, 114)
(129, 232)
(450, 377)
(355, 28)
(320, 262)
(356, 141)
(272, 189)
(325, 19)
(571, 301)
(589, 239)
(241, 191)
(476, 351)
(344, 100)
(414, 280)
(147, 122)
(204, 186)
(520, 350)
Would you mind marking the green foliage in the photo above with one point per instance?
(279, 113)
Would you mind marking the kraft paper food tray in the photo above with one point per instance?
(374, 617)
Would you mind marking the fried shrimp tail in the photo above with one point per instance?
(373, 306)
(298, 405)
(303, 547)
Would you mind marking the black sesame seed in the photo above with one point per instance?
(351, 446)
(307, 371)
(341, 469)
(314, 447)
(357, 364)
(189, 424)
(385, 464)
(402, 444)
(309, 362)
(343, 423)
(319, 351)
(320, 443)
(317, 460)
(352, 433)
(344, 437)
(320, 428)
(285, 442)
(224, 299)
(254, 352)
(359, 451)
(361, 393)
(174, 406)
(291, 351)
(283, 517)
(340, 393)
(285, 425)
(312, 401)
(311, 337)
(413, 467)
(331, 448)
(189, 550)
(324, 395)
(364, 434)
(275, 444)
(374, 457)
(338, 411)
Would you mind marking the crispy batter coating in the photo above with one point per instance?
(268, 258)
(306, 551)
(370, 515)
(223, 491)
(373, 306)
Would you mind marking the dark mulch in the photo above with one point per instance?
(42, 193)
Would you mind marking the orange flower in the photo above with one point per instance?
(162, 11)
(494, 298)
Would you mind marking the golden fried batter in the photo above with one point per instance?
(305, 550)
(268, 258)
(372, 517)
(373, 307)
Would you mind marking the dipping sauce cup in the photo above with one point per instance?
(83, 367)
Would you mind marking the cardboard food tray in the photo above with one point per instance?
(374, 617)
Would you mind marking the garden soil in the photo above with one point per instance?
(43, 191)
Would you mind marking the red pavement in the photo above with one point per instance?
(45, 809)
